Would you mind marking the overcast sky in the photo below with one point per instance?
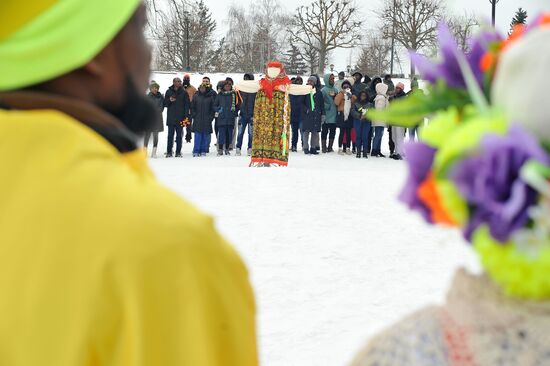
(482, 8)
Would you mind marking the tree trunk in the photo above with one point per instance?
(322, 58)
(413, 70)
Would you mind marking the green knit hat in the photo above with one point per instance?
(59, 37)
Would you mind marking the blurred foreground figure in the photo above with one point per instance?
(99, 263)
(481, 167)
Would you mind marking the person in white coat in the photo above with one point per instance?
(380, 102)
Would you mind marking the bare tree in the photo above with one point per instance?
(325, 25)
(413, 23)
(184, 34)
(257, 35)
(463, 27)
(375, 57)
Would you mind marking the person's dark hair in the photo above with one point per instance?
(341, 73)
(346, 82)
(365, 93)
(248, 77)
(387, 77)
(228, 79)
(367, 79)
(298, 80)
(206, 77)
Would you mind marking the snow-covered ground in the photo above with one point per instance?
(333, 256)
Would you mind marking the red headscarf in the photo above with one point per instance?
(268, 85)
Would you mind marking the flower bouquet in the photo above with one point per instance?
(483, 163)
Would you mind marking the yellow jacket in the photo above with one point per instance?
(102, 265)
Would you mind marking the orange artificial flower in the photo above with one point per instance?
(429, 195)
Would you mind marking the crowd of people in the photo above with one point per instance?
(339, 104)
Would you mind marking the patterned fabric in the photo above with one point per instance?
(478, 325)
(271, 129)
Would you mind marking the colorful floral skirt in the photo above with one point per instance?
(271, 129)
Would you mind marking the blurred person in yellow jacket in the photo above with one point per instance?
(99, 263)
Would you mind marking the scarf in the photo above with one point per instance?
(347, 106)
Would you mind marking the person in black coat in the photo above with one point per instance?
(203, 108)
(176, 101)
(357, 85)
(158, 99)
(296, 102)
(212, 92)
(226, 111)
(313, 114)
(246, 117)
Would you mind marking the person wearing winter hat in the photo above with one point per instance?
(388, 81)
(313, 114)
(158, 100)
(227, 109)
(380, 103)
(361, 123)
(358, 85)
(344, 103)
(341, 79)
(100, 263)
(203, 110)
(328, 128)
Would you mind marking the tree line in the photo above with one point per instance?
(183, 34)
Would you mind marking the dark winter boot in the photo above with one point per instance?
(227, 149)
(365, 155)
(324, 146)
(352, 148)
(358, 156)
(330, 144)
(220, 150)
(313, 151)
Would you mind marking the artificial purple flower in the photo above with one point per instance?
(449, 69)
(491, 183)
(420, 158)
